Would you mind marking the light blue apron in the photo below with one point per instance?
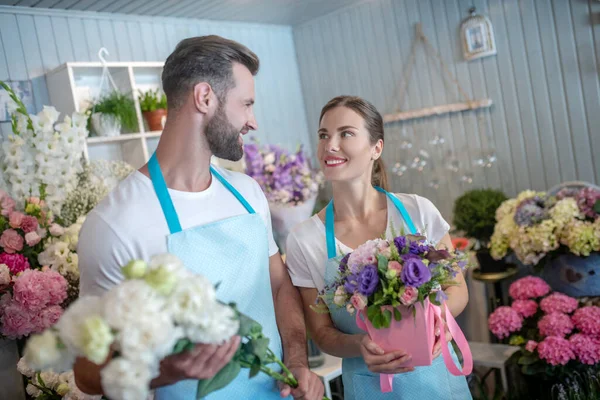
(235, 252)
(431, 382)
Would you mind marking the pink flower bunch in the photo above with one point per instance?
(525, 308)
(586, 348)
(35, 304)
(555, 350)
(555, 324)
(558, 302)
(15, 262)
(503, 321)
(364, 255)
(529, 287)
(7, 204)
(587, 320)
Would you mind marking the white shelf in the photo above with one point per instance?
(73, 85)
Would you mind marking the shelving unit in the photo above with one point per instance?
(73, 85)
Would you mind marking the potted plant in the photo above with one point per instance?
(475, 215)
(154, 108)
(112, 113)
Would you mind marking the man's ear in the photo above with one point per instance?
(203, 97)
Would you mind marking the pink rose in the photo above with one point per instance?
(16, 321)
(530, 346)
(11, 241)
(29, 224)
(395, 266)
(56, 230)
(409, 296)
(7, 204)
(15, 219)
(32, 238)
(359, 301)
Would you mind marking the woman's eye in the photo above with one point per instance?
(347, 133)
(322, 136)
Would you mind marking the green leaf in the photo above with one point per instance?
(248, 326)
(528, 359)
(182, 345)
(397, 314)
(414, 311)
(382, 263)
(255, 369)
(516, 340)
(259, 347)
(401, 291)
(433, 299)
(597, 206)
(372, 311)
(219, 381)
(387, 318)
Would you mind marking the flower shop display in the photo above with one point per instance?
(154, 108)
(161, 308)
(395, 288)
(559, 338)
(474, 214)
(290, 184)
(559, 234)
(41, 157)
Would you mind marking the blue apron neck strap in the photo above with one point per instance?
(233, 190)
(329, 221)
(162, 192)
(329, 231)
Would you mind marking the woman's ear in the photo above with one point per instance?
(377, 150)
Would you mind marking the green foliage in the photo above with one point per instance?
(475, 212)
(121, 106)
(152, 100)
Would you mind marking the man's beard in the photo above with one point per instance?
(223, 137)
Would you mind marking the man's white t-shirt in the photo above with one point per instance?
(306, 246)
(129, 223)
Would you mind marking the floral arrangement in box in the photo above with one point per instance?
(534, 225)
(41, 158)
(285, 177)
(159, 309)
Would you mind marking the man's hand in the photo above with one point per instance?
(381, 362)
(202, 362)
(309, 387)
(437, 347)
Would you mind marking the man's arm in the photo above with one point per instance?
(292, 329)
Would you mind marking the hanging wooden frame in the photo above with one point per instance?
(468, 104)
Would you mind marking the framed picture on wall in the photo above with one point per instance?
(23, 90)
(477, 36)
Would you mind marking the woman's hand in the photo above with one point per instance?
(381, 362)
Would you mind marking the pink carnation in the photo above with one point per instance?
(11, 241)
(15, 219)
(29, 224)
(503, 321)
(558, 302)
(530, 346)
(555, 350)
(529, 287)
(526, 308)
(32, 238)
(15, 262)
(555, 324)
(586, 348)
(35, 290)
(587, 320)
(410, 296)
(16, 321)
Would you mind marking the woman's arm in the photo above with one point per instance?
(339, 344)
(458, 295)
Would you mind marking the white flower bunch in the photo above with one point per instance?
(42, 157)
(60, 249)
(142, 320)
(47, 384)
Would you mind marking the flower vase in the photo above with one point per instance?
(12, 386)
(284, 217)
(106, 124)
(573, 275)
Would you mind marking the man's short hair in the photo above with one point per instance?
(204, 59)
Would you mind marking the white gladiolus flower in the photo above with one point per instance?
(126, 380)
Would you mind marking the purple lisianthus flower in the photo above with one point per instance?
(368, 280)
(440, 296)
(415, 272)
(400, 243)
(417, 248)
(351, 283)
(344, 263)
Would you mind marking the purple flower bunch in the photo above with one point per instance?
(397, 272)
(285, 177)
